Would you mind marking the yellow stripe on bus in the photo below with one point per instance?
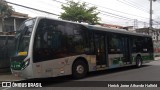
(22, 53)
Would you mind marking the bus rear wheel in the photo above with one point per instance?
(79, 69)
(138, 61)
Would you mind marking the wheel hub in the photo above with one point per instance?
(139, 62)
(80, 69)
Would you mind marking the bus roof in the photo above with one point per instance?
(120, 31)
(100, 28)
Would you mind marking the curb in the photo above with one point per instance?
(156, 58)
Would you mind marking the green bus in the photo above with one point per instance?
(48, 47)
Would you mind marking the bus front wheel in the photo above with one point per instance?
(138, 61)
(79, 69)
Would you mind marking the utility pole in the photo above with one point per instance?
(150, 20)
(135, 23)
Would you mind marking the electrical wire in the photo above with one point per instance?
(111, 14)
(32, 8)
(133, 6)
(115, 10)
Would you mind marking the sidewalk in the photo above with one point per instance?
(7, 76)
(157, 58)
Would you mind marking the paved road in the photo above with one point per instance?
(149, 72)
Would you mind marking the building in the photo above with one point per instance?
(129, 28)
(12, 23)
(112, 26)
(155, 33)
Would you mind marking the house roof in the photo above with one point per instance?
(111, 25)
(18, 15)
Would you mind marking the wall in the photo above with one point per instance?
(9, 24)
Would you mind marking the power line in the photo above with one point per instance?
(133, 6)
(118, 11)
(42, 4)
(135, 3)
(114, 10)
(130, 3)
(106, 13)
(32, 8)
(116, 16)
(98, 10)
(158, 1)
(111, 14)
(156, 22)
(57, 14)
(124, 18)
(59, 2)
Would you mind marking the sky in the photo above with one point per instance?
(136, 10)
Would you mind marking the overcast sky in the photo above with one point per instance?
(134, 9)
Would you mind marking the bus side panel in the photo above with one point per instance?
(133, 57)
(142, 46)
(53, 68)
(61, 66)
(147, 57)
(115, 60)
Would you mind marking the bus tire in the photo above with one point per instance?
(79, 69)
(138, 61)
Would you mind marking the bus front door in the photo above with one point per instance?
(100, 49)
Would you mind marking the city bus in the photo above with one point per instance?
(47, 47)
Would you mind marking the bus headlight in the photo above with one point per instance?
(26, 63)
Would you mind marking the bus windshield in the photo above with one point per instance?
(23, 37)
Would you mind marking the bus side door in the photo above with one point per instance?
(126, 50)
(100, 48)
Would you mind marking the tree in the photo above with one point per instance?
(5, 11)
(79, 12)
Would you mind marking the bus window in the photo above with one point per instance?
(56, 39)
(150, 45)
(47, 41)
(137, 45)
(114, 44)
(76, 41)
(147, 45)
(89, 43)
